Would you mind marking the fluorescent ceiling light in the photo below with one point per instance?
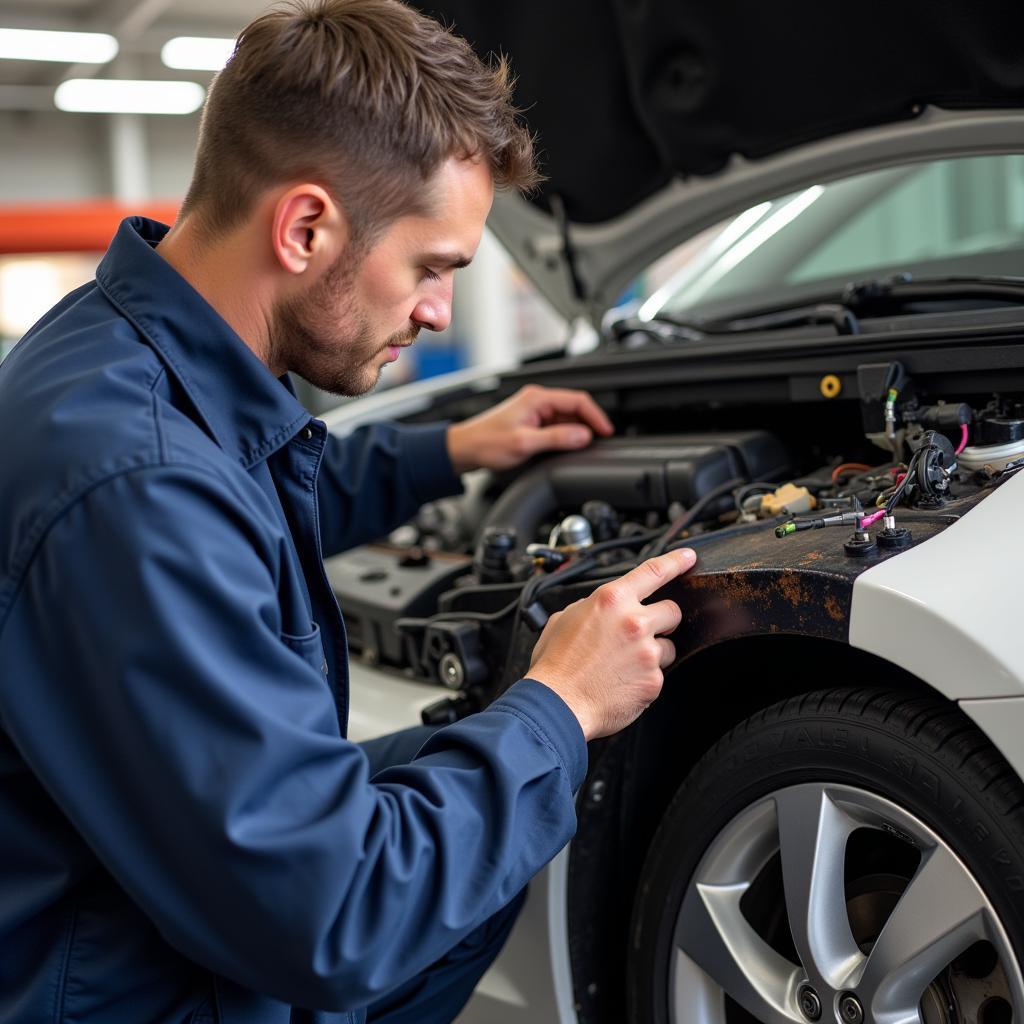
(67, 47)
(196, 53)
(124, 96)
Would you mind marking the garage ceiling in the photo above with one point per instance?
(140, 26)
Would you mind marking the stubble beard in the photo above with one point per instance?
(338, 353)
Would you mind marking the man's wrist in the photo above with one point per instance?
(580, 707)
(460, 449)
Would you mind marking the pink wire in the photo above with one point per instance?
(872, 519)
(963, 438)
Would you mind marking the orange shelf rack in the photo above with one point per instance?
(71, 227)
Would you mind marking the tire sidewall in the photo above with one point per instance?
(787, 746)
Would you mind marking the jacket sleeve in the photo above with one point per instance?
(376, 478)
(147, 684)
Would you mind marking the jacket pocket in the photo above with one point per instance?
(309, 647)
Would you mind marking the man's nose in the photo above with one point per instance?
(434, 313)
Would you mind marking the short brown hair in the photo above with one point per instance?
(367, 98)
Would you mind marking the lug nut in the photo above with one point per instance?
(850, 1010)
(810, 1004)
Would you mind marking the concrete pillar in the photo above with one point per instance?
(485, 308)
(129, 161)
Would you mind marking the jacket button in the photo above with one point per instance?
(307, 434)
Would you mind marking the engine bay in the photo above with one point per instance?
(784, 510)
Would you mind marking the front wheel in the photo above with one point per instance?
(845, 857)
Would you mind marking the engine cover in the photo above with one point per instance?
(635, 474)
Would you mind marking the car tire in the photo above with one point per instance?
(844, 856)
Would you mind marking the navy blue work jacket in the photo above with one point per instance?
(185, 834)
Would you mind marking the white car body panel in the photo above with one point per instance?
(947, 610)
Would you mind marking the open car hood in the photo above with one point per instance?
(658, 118)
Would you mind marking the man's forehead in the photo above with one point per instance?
(460, 188)
(449, 231)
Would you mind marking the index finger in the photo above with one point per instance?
(581, 403)
(653, 574)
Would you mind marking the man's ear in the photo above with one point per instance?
(309, 228)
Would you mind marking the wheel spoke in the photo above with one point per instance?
(812, 843)
(713, 932)
(940, 914)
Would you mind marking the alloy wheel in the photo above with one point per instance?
(830, 903)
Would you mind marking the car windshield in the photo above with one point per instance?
(958, 217)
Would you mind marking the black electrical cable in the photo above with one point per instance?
(742, 493)
(901, 488)
(537, 585)
(614, 572)
(410, 623)
(690, 516)
(634, 540)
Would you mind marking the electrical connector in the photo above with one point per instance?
(890, 413)
(787, 500)
(797, 525)
(844, 519)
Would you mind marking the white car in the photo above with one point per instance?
(822, 819)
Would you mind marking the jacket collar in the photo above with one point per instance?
(247, 411)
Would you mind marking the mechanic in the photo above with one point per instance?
(187, 834)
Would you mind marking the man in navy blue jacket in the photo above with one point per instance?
(185, 834)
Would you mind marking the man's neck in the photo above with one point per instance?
(226, 277)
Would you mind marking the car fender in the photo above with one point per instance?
(948, 611)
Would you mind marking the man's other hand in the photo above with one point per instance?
(534, 420)
(606, 654)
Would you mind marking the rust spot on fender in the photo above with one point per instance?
(736, 587)
(792, 589)
(834, 610)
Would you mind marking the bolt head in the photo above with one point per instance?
(850, 1010)
(451, 672)
(810, 1004)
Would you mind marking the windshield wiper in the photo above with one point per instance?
(877, 297)
(665, 328)
(839, 315)
(874, 297)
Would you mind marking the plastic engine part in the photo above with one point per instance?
(634, 475)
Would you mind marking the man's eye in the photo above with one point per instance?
(430, 275)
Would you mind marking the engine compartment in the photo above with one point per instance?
(766, 492)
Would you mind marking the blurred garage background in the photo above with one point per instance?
(99, 114)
